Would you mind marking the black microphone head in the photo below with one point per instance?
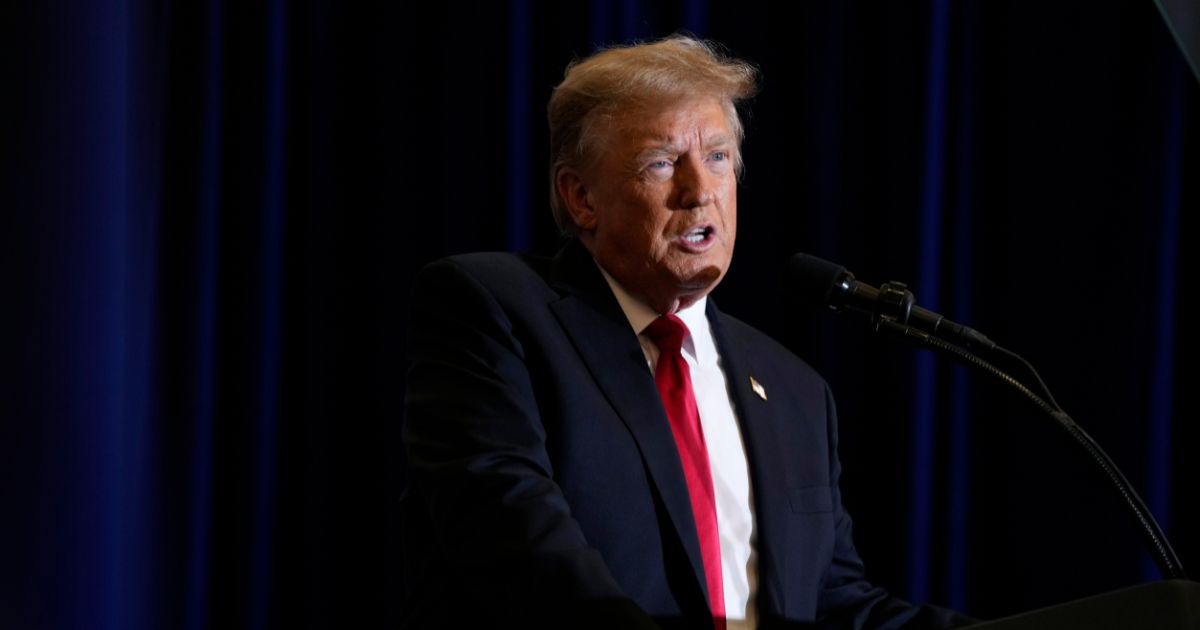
(816, 278)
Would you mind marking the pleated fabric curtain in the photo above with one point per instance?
(215, 210)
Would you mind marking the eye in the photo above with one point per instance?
(659, 169)
(719, 156)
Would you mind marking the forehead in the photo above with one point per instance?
(671, 123)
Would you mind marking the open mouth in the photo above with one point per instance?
(698, 236)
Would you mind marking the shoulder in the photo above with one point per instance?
(761, 346)
(752, 351)
(489, 267)
(502, 277)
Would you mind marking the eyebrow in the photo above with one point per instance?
(667, 147)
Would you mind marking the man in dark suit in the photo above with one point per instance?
(569, 464)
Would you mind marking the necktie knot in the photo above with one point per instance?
(667, 332)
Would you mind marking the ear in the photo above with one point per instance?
(574, 194)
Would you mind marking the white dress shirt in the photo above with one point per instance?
(726, 451)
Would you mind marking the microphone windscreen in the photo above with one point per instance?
(813, 279)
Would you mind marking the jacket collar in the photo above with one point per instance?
(763, 427)
(592, 318)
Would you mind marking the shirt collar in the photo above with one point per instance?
(699, 342)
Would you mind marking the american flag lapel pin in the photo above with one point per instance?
(758, 388)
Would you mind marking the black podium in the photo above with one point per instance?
(1166, 605)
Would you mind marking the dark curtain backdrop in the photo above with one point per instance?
(213, 211)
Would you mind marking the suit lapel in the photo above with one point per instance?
(592, 318)
(761, 427)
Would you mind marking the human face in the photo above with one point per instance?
(658, 208)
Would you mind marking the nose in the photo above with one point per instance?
(697, 186)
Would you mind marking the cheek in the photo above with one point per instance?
(634, 236)
(647, 221)
(729, 209)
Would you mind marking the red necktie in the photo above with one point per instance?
(674, 382)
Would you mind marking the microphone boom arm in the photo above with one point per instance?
(1152, 535)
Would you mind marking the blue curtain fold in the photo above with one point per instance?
(215, 211)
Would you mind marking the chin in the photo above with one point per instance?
(703, 279)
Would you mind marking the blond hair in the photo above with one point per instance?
(672, 69)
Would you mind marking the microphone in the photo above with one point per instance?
(891, 308)
(829, 283)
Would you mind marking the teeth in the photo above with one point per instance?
(697, 235)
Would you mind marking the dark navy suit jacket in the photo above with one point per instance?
(544, 487)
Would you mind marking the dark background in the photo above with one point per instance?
(213, 211)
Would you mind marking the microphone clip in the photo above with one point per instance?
(894, 304)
